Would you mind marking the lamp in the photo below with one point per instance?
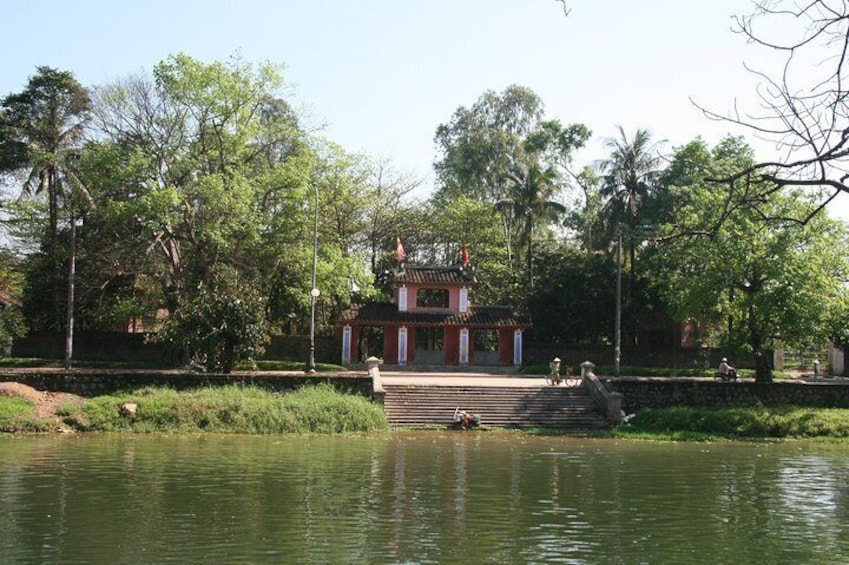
(314, 292)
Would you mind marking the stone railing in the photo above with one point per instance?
(610, 403)
(378, 392)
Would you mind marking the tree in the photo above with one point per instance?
(41, 135)
(530, 201)
(501, 135)
(42, 129)
(565, 304)
(218, 325)
(803, 110)
(758, 284)
(587, 220)
(629, 183)
(388, 204)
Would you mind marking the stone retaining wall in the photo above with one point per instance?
(646, 393)
(92, 384)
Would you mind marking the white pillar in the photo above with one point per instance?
(346, 345)
(402, 345)
(464, 346)
(517, 347)
(402, 299)
(464, 299)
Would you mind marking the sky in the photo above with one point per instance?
(379, 76)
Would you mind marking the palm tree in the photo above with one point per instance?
(46, 123)
(530, 203)
(629, 181)
(42, 133)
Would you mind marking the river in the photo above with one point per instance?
(419, 497)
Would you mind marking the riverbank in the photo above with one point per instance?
(685, 423)
(322, 409)
(226, 409)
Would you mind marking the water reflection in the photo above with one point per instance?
(419, 497)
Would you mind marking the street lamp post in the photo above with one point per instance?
(617, 348)
(314, 292)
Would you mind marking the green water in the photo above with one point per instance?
(419, 497)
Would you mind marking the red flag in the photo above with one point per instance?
(464, 254)
(399, 250)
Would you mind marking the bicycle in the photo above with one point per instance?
(554, 378)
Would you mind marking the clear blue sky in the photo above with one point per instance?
(381, 75)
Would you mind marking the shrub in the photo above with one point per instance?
(233, 409)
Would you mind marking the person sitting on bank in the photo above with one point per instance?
(464, 419)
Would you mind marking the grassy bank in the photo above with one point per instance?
(232, 409)
(18, 415)
(686, 423)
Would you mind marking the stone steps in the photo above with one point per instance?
(569, 408)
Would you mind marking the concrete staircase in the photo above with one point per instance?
(567, 408)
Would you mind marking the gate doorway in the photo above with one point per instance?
(370, 343)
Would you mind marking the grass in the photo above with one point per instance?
(689, 423)
(233, 409)
(18, 415)
(280, 365)
(42, 362)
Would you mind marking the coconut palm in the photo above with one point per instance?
(531, 203)
(42, 134)
(629, 181)
(45, 125)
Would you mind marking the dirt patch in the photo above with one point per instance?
(46, 403)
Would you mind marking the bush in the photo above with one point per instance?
(218, 326)
(754, 422)
(233, 409)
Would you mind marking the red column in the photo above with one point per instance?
(390, 345)
(505, 346)
(451, 346)
(355, 350)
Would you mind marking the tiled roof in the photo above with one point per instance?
(430, 275)
(381, 314)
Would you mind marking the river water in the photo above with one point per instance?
(419, 497)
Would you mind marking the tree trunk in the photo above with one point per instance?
(763, 366)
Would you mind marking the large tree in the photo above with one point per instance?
(628, 188)
(41, 137)
(531, 201)
(503, 149)
(217, 199)
(758, 284)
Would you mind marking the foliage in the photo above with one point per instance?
(503, 151)
(218, 325)
(753, 422)
(565, 304)
(12, 326)
(232, 409)
(757, 283)
(41, 132)
(629, 180)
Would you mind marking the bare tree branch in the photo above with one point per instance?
(566, 11)
(804, 108)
